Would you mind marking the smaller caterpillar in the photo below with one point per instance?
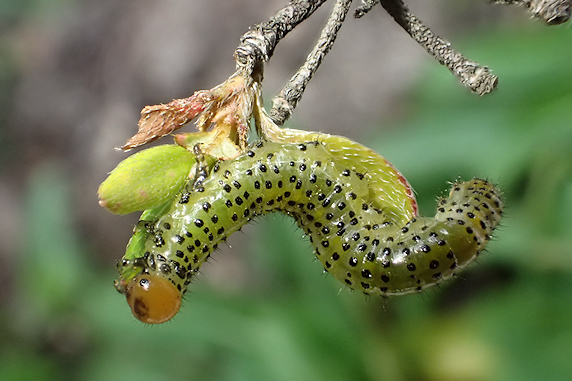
(356, 241)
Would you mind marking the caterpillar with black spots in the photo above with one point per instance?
(358, 242)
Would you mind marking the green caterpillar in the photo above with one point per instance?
(356, 241)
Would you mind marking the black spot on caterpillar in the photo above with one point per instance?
(358, 244)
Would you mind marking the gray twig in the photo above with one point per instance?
(553, 12)
(285, 102)
(367, 5)
(257, 45)
(471, 74)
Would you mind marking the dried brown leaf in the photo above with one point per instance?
(160, 120)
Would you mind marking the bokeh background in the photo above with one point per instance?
(74, 75)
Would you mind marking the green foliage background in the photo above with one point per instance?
(507, 318)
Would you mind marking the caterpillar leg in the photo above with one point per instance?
(202, 169)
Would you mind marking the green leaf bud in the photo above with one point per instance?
(146, 179)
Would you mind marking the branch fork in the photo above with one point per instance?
(224, 113)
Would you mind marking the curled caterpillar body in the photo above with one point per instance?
(355, 239)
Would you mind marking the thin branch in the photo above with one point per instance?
(471, 74)
(367, 5)
(553, 12)
(285, 102)
(258, 44)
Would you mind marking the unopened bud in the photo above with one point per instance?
(146, 179)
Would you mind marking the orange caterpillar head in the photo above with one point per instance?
(153, 299)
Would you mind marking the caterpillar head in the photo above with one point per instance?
(151, 285)
(152, 298)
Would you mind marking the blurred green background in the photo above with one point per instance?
(270, 314)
